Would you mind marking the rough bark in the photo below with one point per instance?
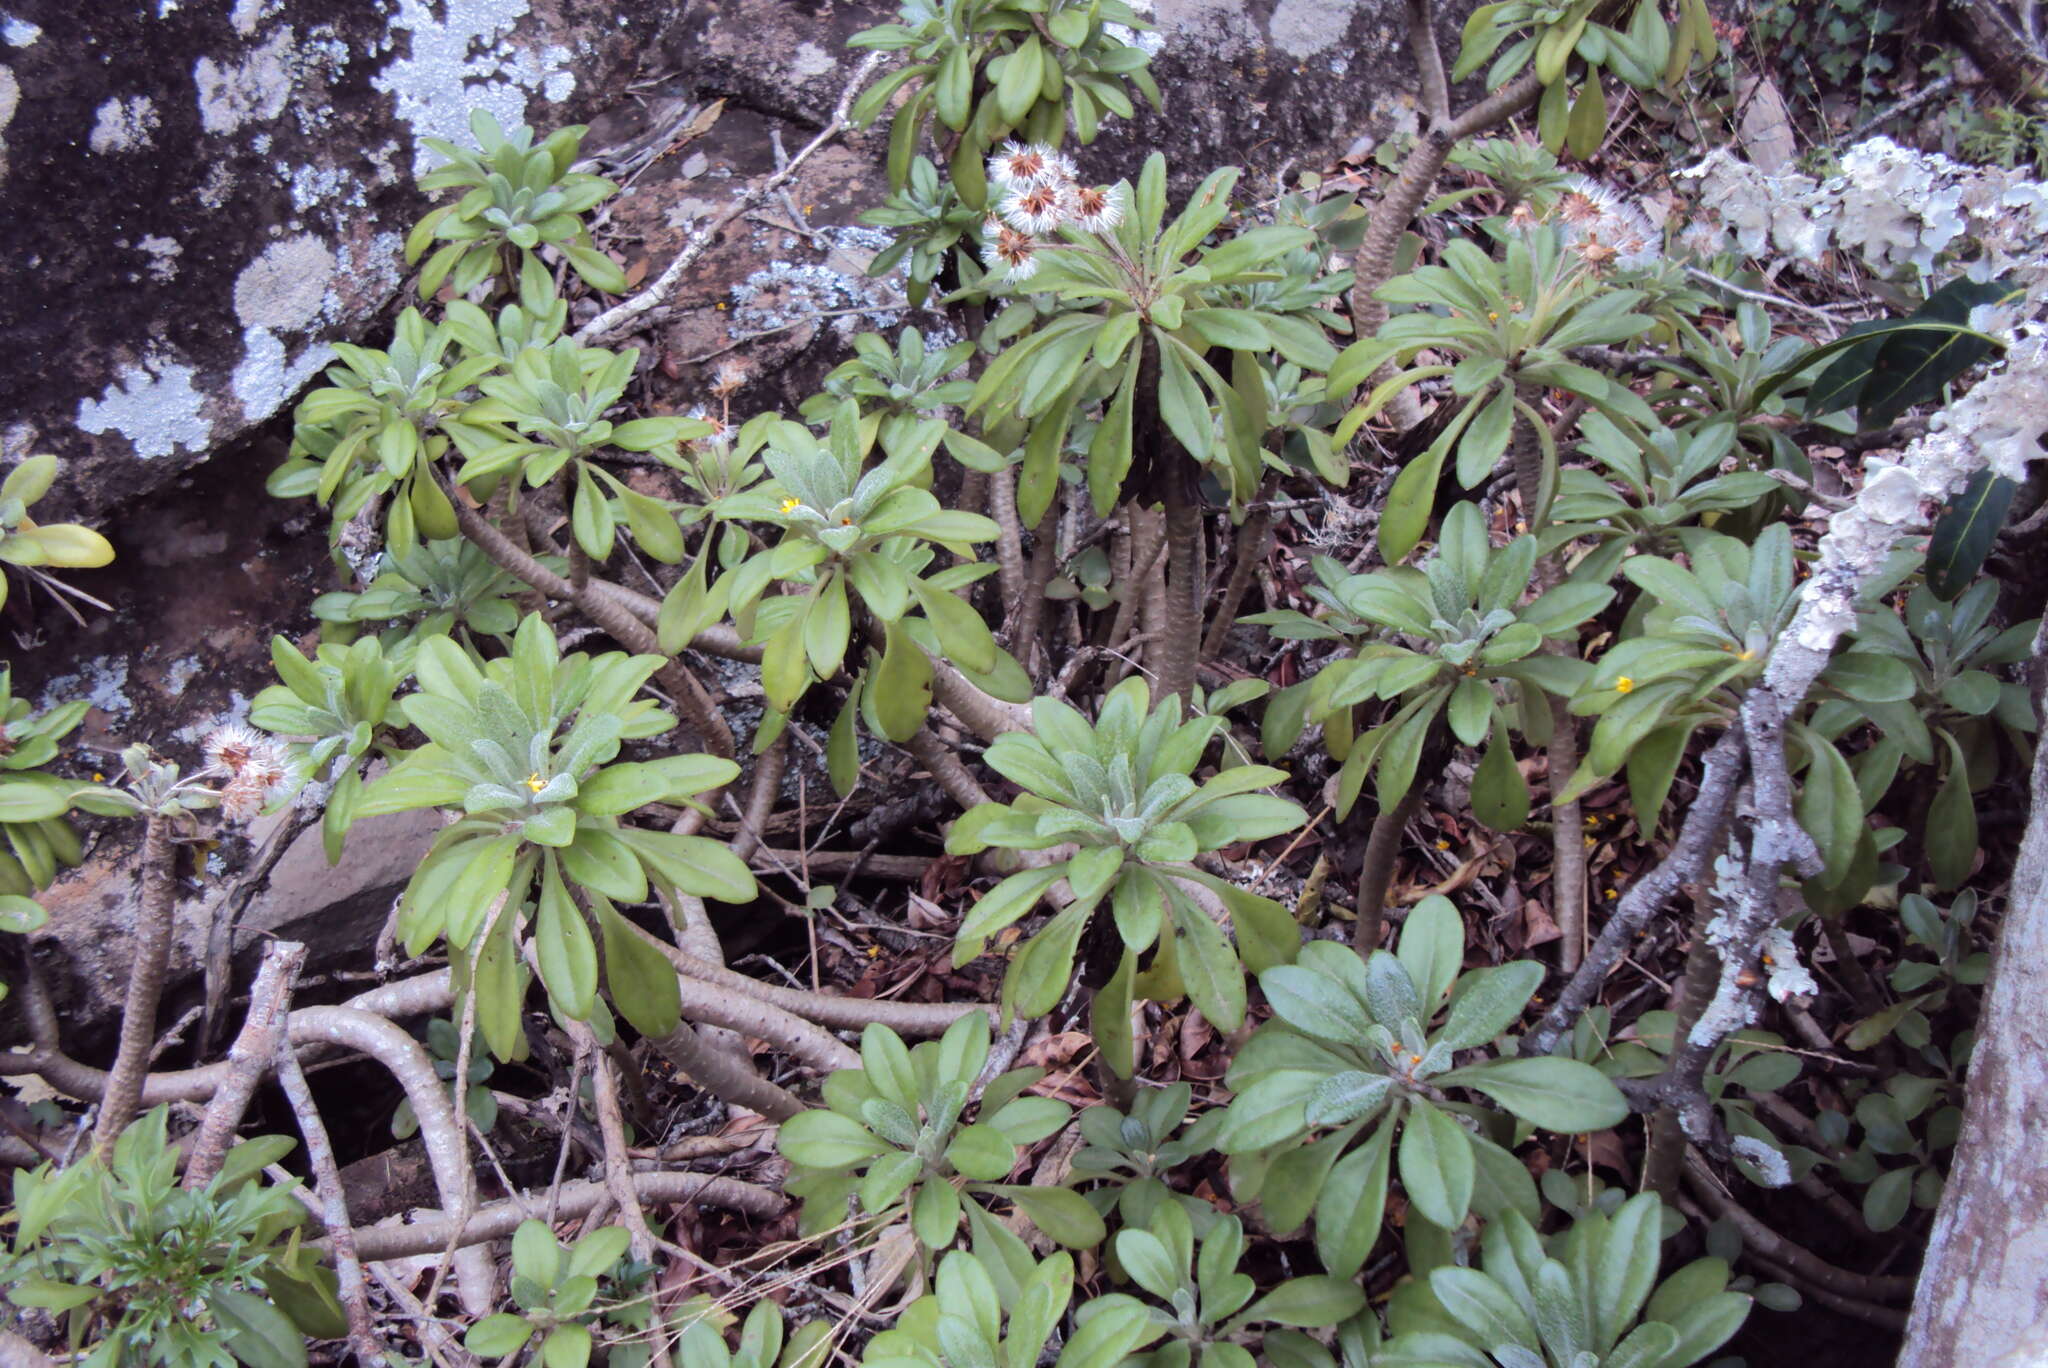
(1983, 1293)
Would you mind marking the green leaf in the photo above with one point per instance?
(1490, 1003)
(258, 1334)
(1965, 531)
(1209, 967)
(1311, 1302)
(823, 1139)
(1952, 823)
(1915, 364)
(1353, 1200)
(1063, 1214)
(642, 981)
(1500, 795)
(498, 1336)
(1437, 1165)
(901, 689)
(1432, 948)
(1486, 438)
(1554, 1094)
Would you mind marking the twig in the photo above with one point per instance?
(348, 1270)
(1775, 1247)
(625, 311)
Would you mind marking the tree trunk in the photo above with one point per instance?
(1983, 1293)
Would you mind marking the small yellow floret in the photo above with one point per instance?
(1624, 684)
(535, 782)
(791, 505)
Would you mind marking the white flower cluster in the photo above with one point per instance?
(1039, 197)
(1897, 207)
(254, 765)
(1894, 205)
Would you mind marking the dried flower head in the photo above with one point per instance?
(1095, 208)
(1039, 208)
(731, 373)
(231, 746)
(241, 800)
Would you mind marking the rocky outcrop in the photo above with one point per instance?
(200, 196)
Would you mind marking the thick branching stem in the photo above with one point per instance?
(252, 1056)
(724, 1077)
(1698, 838)
(945, 768)
(1376, 871)
(763, 789)
(154, 913)
(1182, 645)
(497, 1220)
(1664, 1160)
(1245, 555)
(1766, 1242)
(441, 1132)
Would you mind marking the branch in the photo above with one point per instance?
(1429, 61)
(153, 917)
(251, 1057)
(348, 1269)
(1697, 839)
(497, 1220)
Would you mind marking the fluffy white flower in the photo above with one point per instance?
(1095, 208)
(1039, 208)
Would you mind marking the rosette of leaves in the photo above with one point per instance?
(1643, 490)
(891, 1134)
(335, 707)
(1745, 1063)
(1908, 1125)
(439, 588)
(855, 538)
(516, 198)
(966, 1321)
(1522, 172)
(1958, 712)
(1505, 328)
(894, 386)
(1122, 792)
(987, 68)
(556, 1291)
(931, 221)
(517, 327)
(764, 1340)
(1740, 383)
(1588, 1299)
(144, 1271)
(1449, 645)
(1210, 1316)
(377, 428)
(33, 802)
(546, 415)
(32, 545)
(1355, 1054)
(1131, 1152)
(523, 747)
(1563, 41)
(1948, 961)
(1705, 634)
(1146, 300)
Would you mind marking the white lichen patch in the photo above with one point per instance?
(1306, 28)
(810, 60)
(153, 405)
(163, 256)
(462, 59)
(248, 15)
(10, 99)
(286, 286)
(253, 90)
(1768, 1166)
(181, 673)
(18, 32)
(123, 125)
(784, 293)
(266, 378)
(102, 682)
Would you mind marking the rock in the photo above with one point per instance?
(200, 197)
